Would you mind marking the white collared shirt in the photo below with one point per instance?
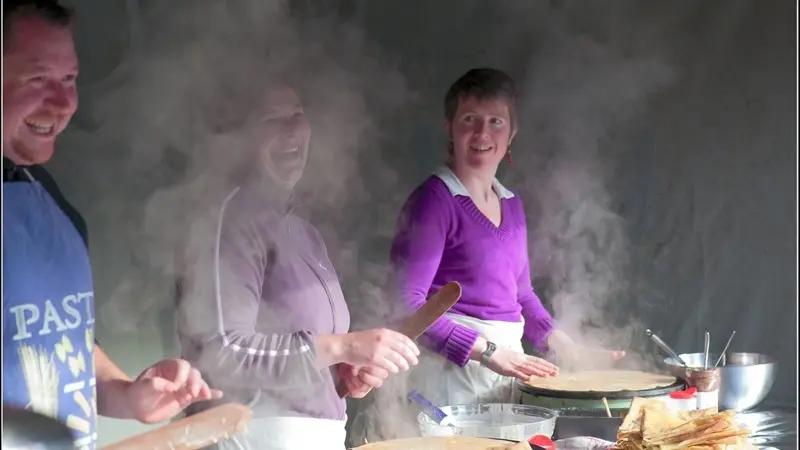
(456, 188)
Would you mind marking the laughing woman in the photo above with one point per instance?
(263, 314)
(462, 225)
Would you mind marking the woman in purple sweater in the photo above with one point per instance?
(462, 225)
(262, 313)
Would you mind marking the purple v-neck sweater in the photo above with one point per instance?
(443, 237)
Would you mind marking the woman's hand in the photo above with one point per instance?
(378, 349)
(360, 381)
(519, 365)
(573, 356)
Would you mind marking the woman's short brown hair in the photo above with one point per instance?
(482, 83)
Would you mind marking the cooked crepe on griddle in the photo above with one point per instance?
(603, 381)
(438, 443)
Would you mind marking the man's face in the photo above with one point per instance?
(39, 92)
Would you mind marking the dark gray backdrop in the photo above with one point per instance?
(681, 114)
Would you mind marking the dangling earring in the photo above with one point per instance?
(508, 156)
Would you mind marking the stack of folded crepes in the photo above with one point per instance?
(651, 424)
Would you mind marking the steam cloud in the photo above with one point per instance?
(174, 106)
(587, 84)
(200, 67)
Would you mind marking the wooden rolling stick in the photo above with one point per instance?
(423, 318)
(191, 433)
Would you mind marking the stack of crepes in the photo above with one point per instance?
(651, 424)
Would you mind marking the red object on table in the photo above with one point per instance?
(684, 395)
(543, 441)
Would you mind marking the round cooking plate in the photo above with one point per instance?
(395, 442)
(597, 395)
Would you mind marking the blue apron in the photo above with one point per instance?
(48, 312)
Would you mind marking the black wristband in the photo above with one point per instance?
(485, 356)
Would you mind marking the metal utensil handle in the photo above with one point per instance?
(706, 348)
(725, 349)
(663, 345)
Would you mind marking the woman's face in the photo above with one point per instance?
(283, 132)
(481, 132)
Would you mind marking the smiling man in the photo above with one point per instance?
(51, 361)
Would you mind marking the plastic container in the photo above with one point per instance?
(492, 420)
(685, 400)
(707, 382)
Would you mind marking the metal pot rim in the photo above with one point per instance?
(768, 359)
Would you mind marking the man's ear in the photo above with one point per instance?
(448, 129)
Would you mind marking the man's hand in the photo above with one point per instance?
(165, 389)
(360, 381)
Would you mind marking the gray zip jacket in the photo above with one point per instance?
(252, 301)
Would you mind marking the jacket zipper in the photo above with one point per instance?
(317, 274)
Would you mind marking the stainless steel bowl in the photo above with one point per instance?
(746, 378)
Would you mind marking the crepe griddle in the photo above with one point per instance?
(509, 442)
(599, 395)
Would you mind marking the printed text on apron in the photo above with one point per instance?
(48, 312)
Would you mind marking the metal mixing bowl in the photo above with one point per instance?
(746, 378)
